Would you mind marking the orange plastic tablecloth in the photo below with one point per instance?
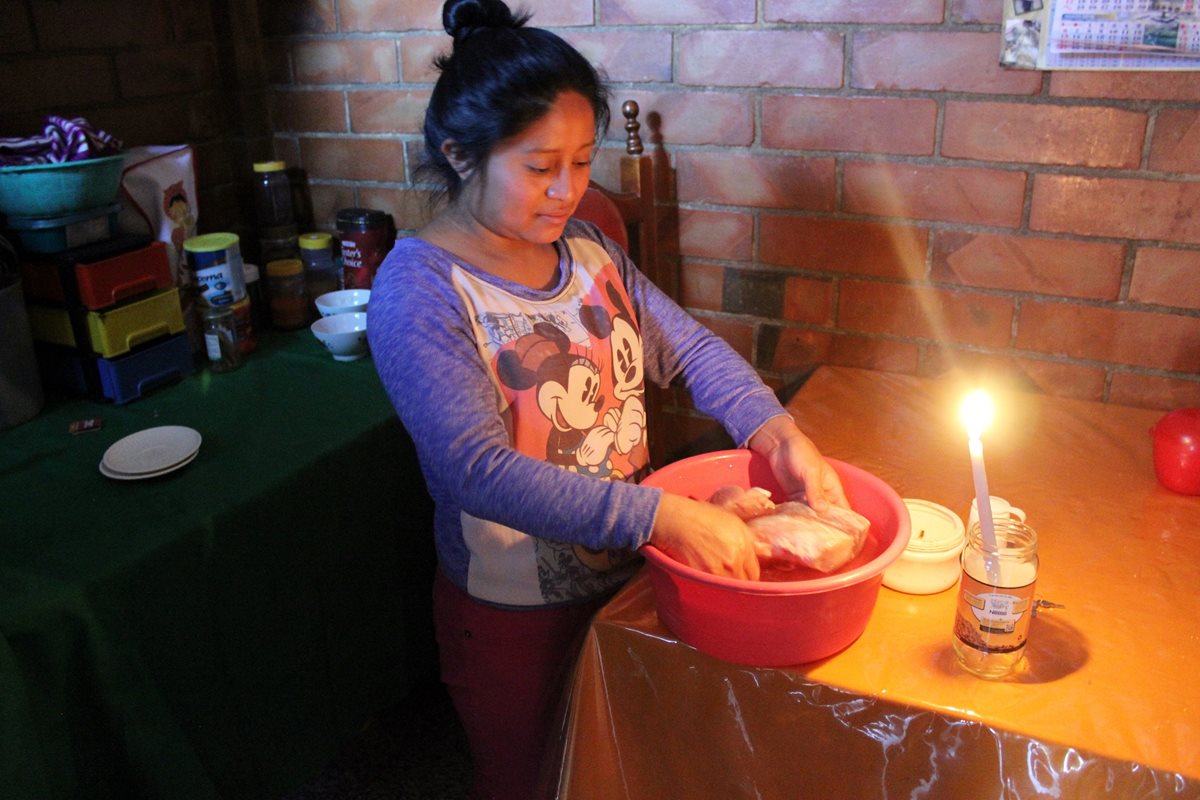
(1106, 703)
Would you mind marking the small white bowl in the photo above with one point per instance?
(929, 563)
(345, 301)
(344, 335)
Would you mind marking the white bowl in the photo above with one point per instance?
(930, 561)
(344, 335)
(345, 301)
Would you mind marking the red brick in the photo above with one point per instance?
(1134, 85)
(321, 111)
(850, 124)
(688, 117)
(166, 70)
(1176, 143)
(387, 110)
(988, 11)
(327, 199)
(346, 61)
(386, 15)
(761, 58)
(1050, 377)
(794, 350)
(715, 234)
(295, 17)
(755, 180)
(925, 313)
(1128, 208)
(701, 285)
(91, 24)
(1166, 277)
(55, 82)
(808, 300)
(870, 352)
(18, 33)
(1140, 338)
(874, 12)
(353, 159)
(1153, 391)
(737, 333)
(1044, 134)
(955, 194)
(626, 55)
(417, 53)
(667, 12)
(409, 207)
(1021, 263)
(843, 246)
(551, 13)
(963, 61)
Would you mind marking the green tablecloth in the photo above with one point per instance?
(218, 631)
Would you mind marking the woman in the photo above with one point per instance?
(514, 342)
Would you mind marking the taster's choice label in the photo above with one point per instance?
(993, 619)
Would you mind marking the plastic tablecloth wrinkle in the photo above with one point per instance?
(1105, 703)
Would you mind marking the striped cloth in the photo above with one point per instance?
(62, 140)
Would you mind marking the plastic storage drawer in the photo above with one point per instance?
(55, 234)
(122, 379)
(100, 276)
(113, 332)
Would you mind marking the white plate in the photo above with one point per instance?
(151, 450)
(128, 476)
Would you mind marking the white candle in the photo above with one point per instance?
(977, 412)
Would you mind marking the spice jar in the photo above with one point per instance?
(995, 598)
(287, 298)
(365, 235)
(320, 270)
(272, 195)
(220, 339)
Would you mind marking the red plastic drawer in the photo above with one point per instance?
(108, 282)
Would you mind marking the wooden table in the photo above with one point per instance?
(1105, 705)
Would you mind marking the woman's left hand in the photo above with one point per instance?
(797, 464)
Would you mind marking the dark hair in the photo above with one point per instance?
(500, 78)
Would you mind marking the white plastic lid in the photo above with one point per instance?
(934, 527)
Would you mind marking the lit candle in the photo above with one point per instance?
(977, 412)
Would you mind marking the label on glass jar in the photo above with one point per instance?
(212, 346)
(994, 619)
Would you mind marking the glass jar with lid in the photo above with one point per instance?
(273, 195)
(287, 295)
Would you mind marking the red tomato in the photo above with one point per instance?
(1177, 450)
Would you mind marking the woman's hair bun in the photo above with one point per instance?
(463, 17)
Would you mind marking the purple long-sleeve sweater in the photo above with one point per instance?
(526, 407)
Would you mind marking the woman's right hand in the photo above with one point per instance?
(704, 537)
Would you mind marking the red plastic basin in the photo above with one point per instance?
(767, 623)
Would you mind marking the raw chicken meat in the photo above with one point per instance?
(793, 534)
(746, 503)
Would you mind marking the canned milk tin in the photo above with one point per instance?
(216, 264)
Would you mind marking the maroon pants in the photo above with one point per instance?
(505, 671)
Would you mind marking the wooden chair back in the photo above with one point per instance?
(635, 205)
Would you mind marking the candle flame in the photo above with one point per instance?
(977, 412)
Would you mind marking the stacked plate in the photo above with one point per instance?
(150, 453)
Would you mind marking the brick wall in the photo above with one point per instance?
(850, 181)
(151, 72)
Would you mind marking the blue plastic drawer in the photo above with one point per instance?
(120, 379)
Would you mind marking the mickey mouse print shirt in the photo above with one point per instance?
(527, 409)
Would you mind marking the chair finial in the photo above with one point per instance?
(633, 140)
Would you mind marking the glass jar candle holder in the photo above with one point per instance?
(995, 598)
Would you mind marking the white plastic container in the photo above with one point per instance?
(930, 562)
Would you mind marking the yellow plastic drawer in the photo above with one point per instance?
(117, 330)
